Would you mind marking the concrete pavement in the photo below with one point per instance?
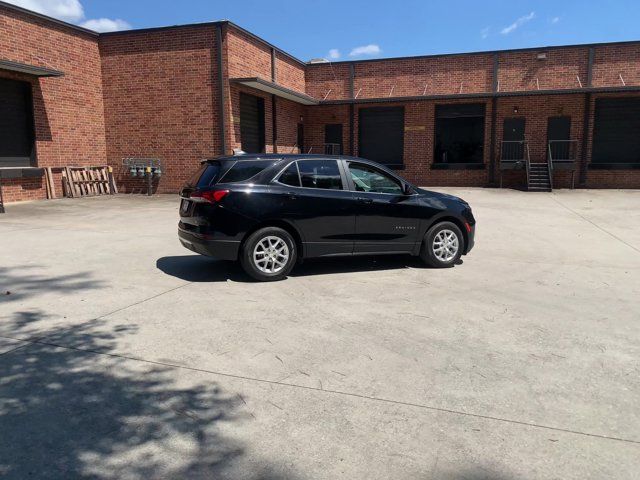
(124, 356)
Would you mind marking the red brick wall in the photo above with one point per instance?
(68, 110)
(327, 80)
(518, 71)
(614, 60)
(154, 93)
(246, 56)
(411, 77)
(289, 73)
(316, 118)
(424, 76)
(536, 110)
(160, 95)
(287, 116)
(419, 137)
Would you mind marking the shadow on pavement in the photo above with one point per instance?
(68, 413)
(198, 268)
(20, 283)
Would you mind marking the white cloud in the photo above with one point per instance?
(71, 11)
(518, 23)
(555, 20)
(484, 33)
(105, 25)
(67, 10)
(334, 54)
(371, 49)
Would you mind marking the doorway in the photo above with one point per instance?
(513, 139)
(251, 123)
(333, 139)
(558, 136)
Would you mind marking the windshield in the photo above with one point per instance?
(206, 175)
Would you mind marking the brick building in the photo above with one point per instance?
(70, 96)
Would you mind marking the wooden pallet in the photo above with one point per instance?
(88, 181)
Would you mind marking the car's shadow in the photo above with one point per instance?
(197, 268)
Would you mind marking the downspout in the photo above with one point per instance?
(274, 120)
(351, 109)
(221, 91)
(582, 179)
(494, 116)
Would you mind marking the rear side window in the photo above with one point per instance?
(290, 176)
(206, 175)
(320, 174)
(244, 170)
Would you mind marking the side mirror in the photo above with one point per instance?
(406, 189)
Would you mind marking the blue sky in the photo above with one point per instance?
(344, 30)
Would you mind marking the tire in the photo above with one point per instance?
(279, 257)
(437, 255)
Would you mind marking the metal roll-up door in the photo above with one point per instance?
(16, 124)
(616, 131)
(381, 134)
(251, 123)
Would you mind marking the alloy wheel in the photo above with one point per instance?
(445, 245)
(271, 254)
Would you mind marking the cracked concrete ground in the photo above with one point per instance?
(124, 356)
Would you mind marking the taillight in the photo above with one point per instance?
(210, 196)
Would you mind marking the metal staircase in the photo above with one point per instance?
(539, 177)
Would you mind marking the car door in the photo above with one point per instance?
(386, 219)
(316, 200)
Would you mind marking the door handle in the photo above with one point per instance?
(292, 195)
(365, 200)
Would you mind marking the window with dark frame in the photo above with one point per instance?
(17, 136)
(459, 134)
(616, 132)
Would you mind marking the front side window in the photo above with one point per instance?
(367, 179)
(244, 170)
(320, 174)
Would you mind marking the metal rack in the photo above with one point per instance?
(144, 167)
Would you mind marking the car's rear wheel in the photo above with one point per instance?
(443, 245)
(268, 254)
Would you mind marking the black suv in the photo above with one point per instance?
(270, 211)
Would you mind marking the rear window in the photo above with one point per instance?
(207, 175)
(244, 170)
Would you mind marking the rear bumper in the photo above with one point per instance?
(198, 243)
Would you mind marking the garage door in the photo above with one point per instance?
(251, 123)
(616, 131)
(16, 124)
(381, 134)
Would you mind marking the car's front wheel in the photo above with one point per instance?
(268, 254)
(442, 245)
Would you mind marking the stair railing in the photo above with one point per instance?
(513, 155)
(563, 152)
(550, 166)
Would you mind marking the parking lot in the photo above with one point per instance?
(124, 356)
